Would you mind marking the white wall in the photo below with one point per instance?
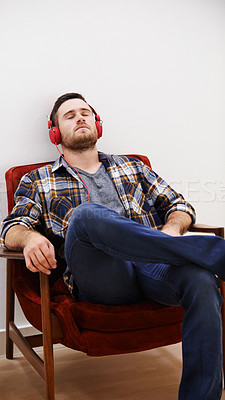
(154, 70)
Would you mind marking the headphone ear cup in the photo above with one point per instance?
(55, 135)
(98, 124)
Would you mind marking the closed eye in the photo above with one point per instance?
(83, 111)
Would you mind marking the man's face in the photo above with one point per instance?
(77, 125)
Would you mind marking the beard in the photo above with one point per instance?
(80, 142)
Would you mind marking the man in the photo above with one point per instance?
(119, 226)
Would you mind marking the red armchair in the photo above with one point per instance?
(94, 329)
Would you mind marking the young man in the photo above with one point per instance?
(119, 226)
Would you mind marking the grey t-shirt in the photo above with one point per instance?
(102, 189)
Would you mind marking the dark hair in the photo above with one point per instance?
(60, 101)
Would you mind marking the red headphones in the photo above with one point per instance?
(55, 135)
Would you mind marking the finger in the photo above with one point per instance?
(46, 255)
(39, 261)
(50, 255)
(34, 265)
(43, 257)
(30, 265)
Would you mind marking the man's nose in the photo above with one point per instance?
(80, 117)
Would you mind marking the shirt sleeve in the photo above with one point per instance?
(166, 199)
(27, 210)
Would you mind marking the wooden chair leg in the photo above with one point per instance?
(47, 337)
(10, 306)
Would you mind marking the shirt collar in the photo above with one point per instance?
(60, 162)
(57, 164)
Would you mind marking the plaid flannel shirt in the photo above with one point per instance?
(46, 198)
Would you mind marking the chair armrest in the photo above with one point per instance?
(217, 230)
(11, 255)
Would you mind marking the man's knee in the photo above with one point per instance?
(82, 211)
(89, 211)
(87, 220)
(199, 285)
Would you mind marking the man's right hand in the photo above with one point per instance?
(38, 251)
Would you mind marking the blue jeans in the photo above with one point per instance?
(115, 260)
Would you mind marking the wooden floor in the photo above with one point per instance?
(149, 375)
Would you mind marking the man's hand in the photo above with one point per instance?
(38, 251)
(177, 223)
